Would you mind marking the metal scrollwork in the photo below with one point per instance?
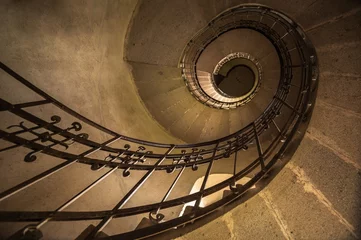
(31, 157)
(193, 158)
(55, 119)
(46, 136)
(177, 161)
(156, 217)
(81, 135)
(242, 140)
(228, 150)
(141, 159)
(198, 157)
(110, 158)
(276, 111)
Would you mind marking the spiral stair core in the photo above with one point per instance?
(188, 119)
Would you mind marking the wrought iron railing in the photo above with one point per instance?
(269, 136)
(281, 31)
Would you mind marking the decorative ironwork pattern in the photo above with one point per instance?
(283, 117)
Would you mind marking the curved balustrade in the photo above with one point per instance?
(281, 31)
(293, 101)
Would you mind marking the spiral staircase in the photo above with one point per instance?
(180, 119)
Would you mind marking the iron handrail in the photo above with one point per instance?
(191, 156)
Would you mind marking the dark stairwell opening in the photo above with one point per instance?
(238, 81)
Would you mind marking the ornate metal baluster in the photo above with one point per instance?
(290, 50)
(265, 122)
(51, 171)
(286, 87)
(194, 158)
(211, 24)
(177, 161)
(259, 147)
(305, 90)
(288, 32)
(55, 119)
(44, 137)
(158, 216)
(233, 185)
(235, 158)
(126, 198)
(228, 150)
(110, 158)
(287, 105)
(132, 161)
(30, 157)
(261, 17)
(283, 137)
(36, 227)
(274, 23)
(276, 126)
(196, 205)
(243, 140)
(276, 111)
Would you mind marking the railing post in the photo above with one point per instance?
(206, 176)
(259, 147)
(126, 198)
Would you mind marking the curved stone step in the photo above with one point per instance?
(340, 193)
(195, 130)
(242, 116)
(170, 103)
(243, 222)
(338, 46)
(323, 12)
(182, 125)
(152, 80)
(290, 207)
(339, 129)
(302, 213)
(216, 127)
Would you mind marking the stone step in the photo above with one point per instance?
(301, 212)
(337, 180)
(196, 128)
(182, 125)
(242, 116)
(216, 127)
(338, 129)
(153, 80)
(251, 220)
(338, 46)
(324, 11)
